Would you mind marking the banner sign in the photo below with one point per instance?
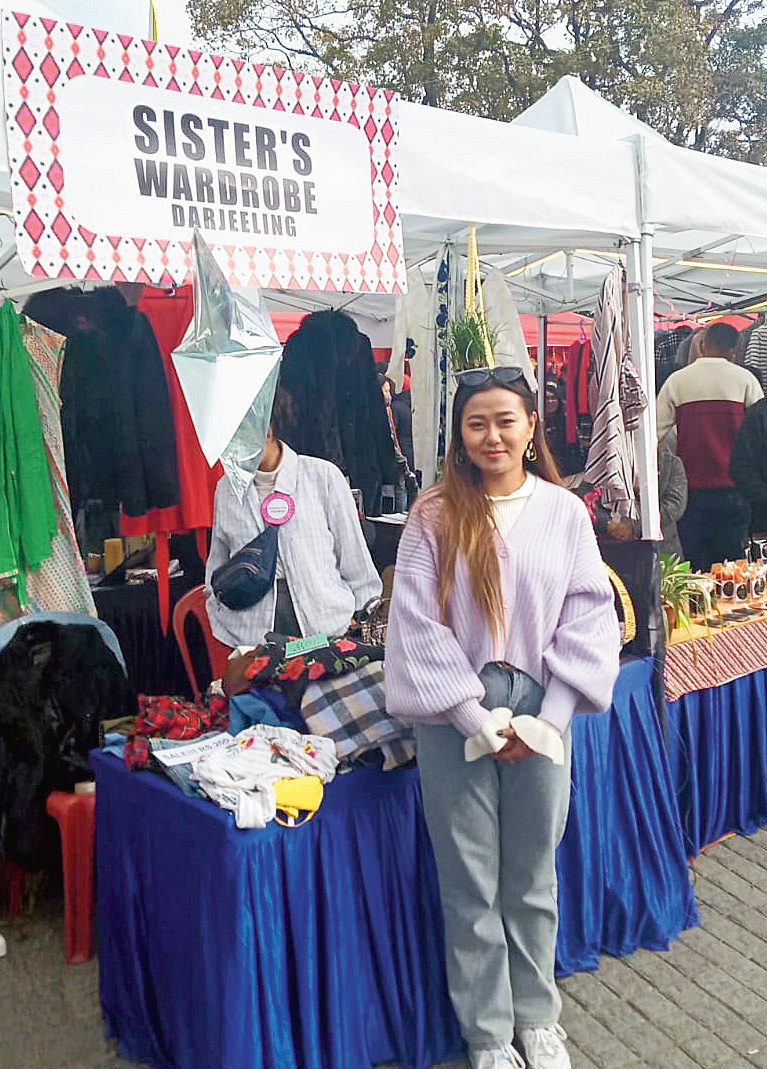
(119, 148)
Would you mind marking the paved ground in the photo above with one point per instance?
(701, 1005)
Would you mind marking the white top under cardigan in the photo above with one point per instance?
(561, 623)
(328, 567)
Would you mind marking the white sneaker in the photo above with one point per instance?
(505, 1057)
(545, 1048)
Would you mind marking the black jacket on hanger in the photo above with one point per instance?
(329, 371)
(119, 437)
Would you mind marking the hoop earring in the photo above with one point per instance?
(531, 453)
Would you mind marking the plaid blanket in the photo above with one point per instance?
(351, 710)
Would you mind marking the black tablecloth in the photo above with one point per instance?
(153, 660)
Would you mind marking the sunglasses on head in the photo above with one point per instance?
(501, 376)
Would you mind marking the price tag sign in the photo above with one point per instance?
(278, 508)
(298, 646)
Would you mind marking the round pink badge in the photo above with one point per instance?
(278, 508)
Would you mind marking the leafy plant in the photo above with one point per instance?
(678, 584)
(467, 345)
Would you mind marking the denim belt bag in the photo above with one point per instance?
(249, 573)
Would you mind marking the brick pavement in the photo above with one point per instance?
(700, 1005)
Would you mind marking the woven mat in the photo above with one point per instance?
(713, 658)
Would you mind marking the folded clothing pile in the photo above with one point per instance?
(242, 775)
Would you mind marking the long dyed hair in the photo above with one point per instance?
(460, 512)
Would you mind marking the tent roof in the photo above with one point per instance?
(704, 210)
(524, 187)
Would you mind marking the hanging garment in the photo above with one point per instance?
(610, 463)
(501, 314)
(118, 434)
(329, 372)
(447, 305)
(59, 584)
(756, 355)
(27, 513)
(169, 314)
(571, 394)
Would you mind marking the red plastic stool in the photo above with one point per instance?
(76, 817)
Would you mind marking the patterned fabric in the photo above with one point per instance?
(352, 712)
(667, 342)
(441, 319)
(172, 718)
(610, 463)
(711, 661)
(60, 583)
(632, 396)
(756, 354)
(270, 667)
(27, 515)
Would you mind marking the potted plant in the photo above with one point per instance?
(678, 585)
(468, 337)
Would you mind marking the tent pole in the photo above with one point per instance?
(541, 368)
(647, 457)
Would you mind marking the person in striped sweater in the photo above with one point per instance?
(707, 401)
(501, 609)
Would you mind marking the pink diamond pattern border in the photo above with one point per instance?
(41, 56)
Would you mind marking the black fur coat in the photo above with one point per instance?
(57, 682)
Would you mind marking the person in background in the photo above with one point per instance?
(501, 626)
(569, 458)
(403, 421)
(400, 487)
(325, 573)
(707, 401)
(672, 495)
(748, 464)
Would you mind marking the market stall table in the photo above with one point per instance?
(153, 660)
(322, 946)
(716, 685)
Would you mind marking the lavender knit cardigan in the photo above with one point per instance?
(561, 626)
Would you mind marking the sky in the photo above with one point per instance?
(125, 16)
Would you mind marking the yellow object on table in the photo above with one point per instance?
(114, 554)
(298, 794)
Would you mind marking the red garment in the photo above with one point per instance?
(169, 315)
(167, 717)
(583, 379)
(571, 401)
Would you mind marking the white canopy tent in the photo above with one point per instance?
(707, 215)
(703, 224)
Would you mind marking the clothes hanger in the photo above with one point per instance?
(583, 337)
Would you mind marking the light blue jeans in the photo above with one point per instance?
(495, 829)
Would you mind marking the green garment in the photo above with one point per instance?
(27, 512)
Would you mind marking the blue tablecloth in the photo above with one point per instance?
(718, 754)
(321, 947)
(623, 876)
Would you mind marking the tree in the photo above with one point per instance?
(695, 70)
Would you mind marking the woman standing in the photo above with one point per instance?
(501, 604)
